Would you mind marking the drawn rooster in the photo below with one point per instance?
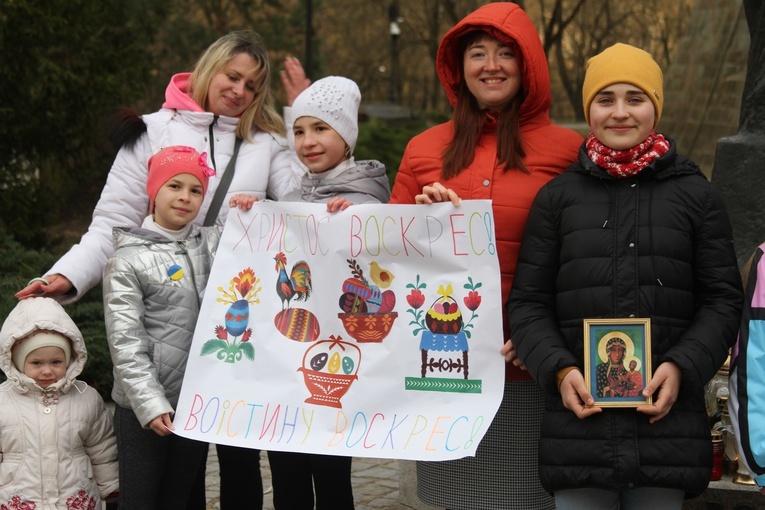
(295, 285)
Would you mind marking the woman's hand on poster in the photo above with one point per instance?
(437, 193)
(162, 425)
(666, 384)
(338, 204)
(508, 351)
(242, 201)
(293, 79)
(50, 286)
(576, 398)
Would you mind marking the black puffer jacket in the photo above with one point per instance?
(656, 245)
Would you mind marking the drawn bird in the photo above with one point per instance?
(381, 277)
(295, 285)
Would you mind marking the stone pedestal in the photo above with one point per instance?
(740, 175)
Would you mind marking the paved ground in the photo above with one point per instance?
(375, 483)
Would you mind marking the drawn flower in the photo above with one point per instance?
(243, 287)
(247, 335)
(415, 298)
(472, 300)
(244, 282)
(221, 332)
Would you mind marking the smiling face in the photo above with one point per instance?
(622, 116)
(318, 146)
(178, 201)
(45, 365)
(233, 89)
(492, 72)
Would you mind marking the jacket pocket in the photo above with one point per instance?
(9, 466)
(86, 468)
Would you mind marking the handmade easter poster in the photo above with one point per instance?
(369, 332)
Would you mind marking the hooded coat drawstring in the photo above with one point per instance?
(213, 124)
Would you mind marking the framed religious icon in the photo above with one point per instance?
(617, 361)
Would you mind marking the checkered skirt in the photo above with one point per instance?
(503, 475)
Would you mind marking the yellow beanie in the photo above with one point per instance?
(622, 63)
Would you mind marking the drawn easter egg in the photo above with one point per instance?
(358, 287)
(334, 363)
(348, 365)
(352, 303)
(297, 324)
(175, 272)
(318, 361)
(374, 300)
(444, 317)
(388, 302)
(333, 357)
(237, 317)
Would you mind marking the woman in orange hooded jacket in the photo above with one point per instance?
(501, 146)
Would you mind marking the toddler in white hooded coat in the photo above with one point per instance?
(57, 445)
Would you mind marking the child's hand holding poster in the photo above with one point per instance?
(371, 332)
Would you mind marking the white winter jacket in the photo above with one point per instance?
(62, 453)
(263, 168)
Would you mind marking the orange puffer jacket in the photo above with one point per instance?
(549, 148)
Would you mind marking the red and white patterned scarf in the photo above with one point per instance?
(628, 162)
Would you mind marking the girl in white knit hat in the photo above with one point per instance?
(57, 444)
(324, 122)
(324, 129)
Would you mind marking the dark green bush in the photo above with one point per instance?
(17, 266)
(386, 141)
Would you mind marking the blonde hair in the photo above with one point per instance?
(261, 113)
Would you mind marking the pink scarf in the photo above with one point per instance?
(628, 162)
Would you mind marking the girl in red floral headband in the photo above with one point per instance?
(153, 285)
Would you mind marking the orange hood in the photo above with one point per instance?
(506, 22)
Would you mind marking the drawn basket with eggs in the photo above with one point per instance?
(368, 314)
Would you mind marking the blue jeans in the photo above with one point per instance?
(653, 498)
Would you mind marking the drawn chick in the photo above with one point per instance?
(381, 277)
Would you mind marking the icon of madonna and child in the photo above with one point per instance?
(619, 365)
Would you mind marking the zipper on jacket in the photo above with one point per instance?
(213, 124)
(650, 233)
(183, 251)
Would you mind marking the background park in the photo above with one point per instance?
(68, 65)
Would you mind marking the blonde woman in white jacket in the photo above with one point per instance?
(226, 97)
(57, 445)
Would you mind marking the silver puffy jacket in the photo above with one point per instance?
(153, 287)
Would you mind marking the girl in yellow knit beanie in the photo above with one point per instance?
(633, 230)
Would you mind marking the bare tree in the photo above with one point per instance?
(575, 30)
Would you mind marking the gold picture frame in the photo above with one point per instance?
(617, 381)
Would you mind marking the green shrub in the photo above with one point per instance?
(17, 266)
(386, 141)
